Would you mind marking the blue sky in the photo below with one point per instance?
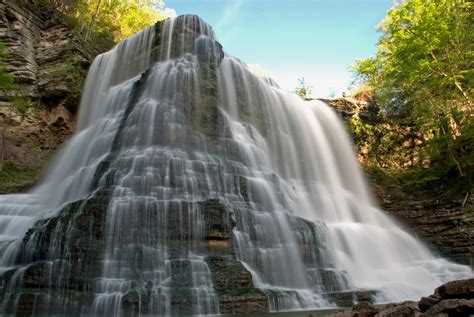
(314, 39)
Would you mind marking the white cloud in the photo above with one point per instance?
(169, 13)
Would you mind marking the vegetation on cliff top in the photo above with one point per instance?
(303, 90)
(104, 23)
(423, 73)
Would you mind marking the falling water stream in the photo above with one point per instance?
(168, 121)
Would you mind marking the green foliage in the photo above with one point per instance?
(106, 22)
(367, 71)
(424, 70)
(303, 90)
(6, 79)
(68, 70)
(362, 91)
(21, 104)
(14, 177)
(385, 145)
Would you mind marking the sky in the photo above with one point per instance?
(312, 39)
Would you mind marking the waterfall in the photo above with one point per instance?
(194, 187)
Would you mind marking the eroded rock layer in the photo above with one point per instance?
(48, 65)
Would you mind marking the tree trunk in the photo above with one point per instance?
(94, 18)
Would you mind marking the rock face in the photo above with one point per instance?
(448, 231)
(432, 215)
(455, 298)
(46, 60)
(451, 307)
(426, 303)
(379, 141)
(49, 66)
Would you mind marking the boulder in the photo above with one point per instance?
(457, 289)
(364, 309)
(452, 307)
(427, 302)
(404, 309)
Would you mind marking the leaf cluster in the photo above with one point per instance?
(424, 70)
(104, 23)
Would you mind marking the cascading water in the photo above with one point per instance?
(186, 173)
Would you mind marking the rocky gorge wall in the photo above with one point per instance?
(48, 65)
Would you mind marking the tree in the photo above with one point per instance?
(424, 70)
(106, 22)
(303, 90)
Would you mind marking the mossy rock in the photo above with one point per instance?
(15, 177)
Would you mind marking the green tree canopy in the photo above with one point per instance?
(424, 69)
(106, 22)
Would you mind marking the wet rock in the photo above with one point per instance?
(364, 309)
(363, 297)
(243, 187)
(405, 309)
(65, 255)
(427, 302)
(452, 307)
(237, 293)
(218, 222)
(457, 289)
(451, 299)
(347, 298)
(131, 303)
(341, 313)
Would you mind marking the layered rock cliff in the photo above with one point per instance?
(48, 65)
